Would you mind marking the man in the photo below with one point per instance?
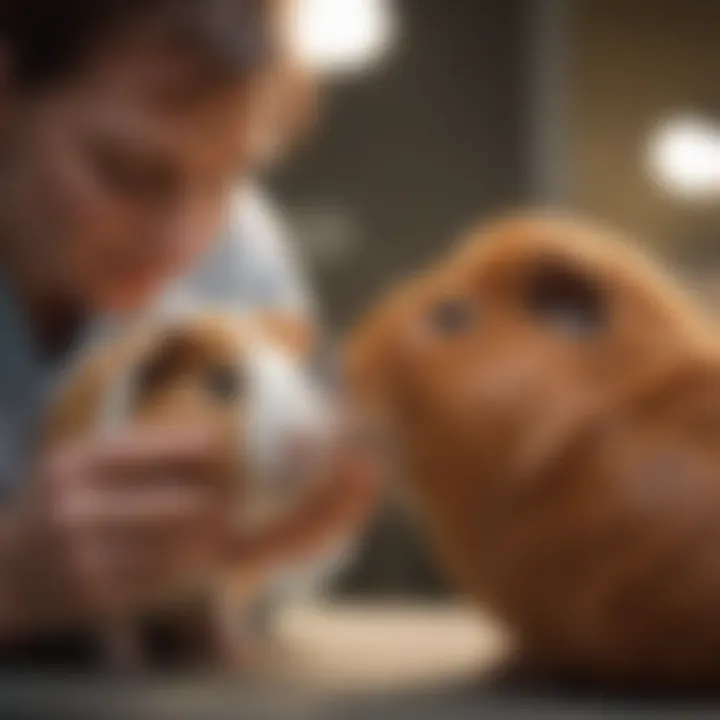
(124, 126)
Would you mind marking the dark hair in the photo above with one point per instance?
(49, 40)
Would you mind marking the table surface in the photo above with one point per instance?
(340, 662)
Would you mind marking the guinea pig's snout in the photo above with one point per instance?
(289, 421)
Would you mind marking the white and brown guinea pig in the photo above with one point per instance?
(553, 400)
(245, 377)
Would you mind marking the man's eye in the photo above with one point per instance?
(225, 384)
(452, 316)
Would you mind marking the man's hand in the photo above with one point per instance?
(110, 527)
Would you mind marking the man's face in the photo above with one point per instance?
(117, 181)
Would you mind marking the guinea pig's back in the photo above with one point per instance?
(616, 565)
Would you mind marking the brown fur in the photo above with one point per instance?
(570, 484)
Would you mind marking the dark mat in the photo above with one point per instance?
(30, 697)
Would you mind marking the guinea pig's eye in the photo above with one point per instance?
(225, 383)
(452, 316)
(566, 300)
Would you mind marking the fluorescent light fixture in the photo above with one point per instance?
(339, 36)
(684, 156)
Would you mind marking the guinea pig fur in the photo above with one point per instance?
(554, 404)
(243, 378)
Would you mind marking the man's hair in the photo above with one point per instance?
(50, 40)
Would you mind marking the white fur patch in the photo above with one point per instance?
(286, 413)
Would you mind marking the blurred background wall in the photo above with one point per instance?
(481, 105)
(415, 148)
(644, 120)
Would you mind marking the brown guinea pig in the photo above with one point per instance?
(246, 379)
(553, 401)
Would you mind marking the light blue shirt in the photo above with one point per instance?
(251, 266)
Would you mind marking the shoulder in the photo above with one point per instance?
(255, 215)
(253, 264)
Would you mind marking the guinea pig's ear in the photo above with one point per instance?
(167, 357)
(563, 295)
(293, 333)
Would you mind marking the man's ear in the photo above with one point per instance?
(292, 332)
